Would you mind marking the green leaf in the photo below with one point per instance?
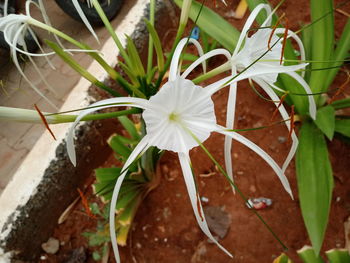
(157, 45)
(343, 127)
(119, 147)
(96, 256)
(322, 42)
(135, 57)
(338, 255)
(107, 174)
(78, 68)
(130, 127)
(214, 25)
(307, 254)
(283, 258)
(341, 104)
(111, 30)
(315, 182)
(129, 72)
(325, 121)
(341, 52)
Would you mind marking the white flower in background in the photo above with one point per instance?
(16, 28)
(255, 57)
(177, 118)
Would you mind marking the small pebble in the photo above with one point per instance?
(338, 199)
(165, 240)
(43, 258)
(235, 155)
(138, 245)
(252, 188)
(204, 199)
(281, 139)
(51, 246)
(240, 172)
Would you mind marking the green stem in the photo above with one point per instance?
(92, 117)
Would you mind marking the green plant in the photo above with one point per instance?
(179, 114)
(325, 57)
(308, 255)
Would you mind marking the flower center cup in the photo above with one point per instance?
(180, 112)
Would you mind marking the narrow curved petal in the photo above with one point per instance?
(84, 18)
(230, 120)
(214, 87)
(250, 21)
(203, 58)
(139, 149)
(174, 66)
(195, 201)
(285, 117)
(298, 41)
(15, 61)
(267, 158)
(103, 104)
(312, 103)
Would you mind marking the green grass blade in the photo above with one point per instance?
(322, 42)
(214, 25)
(343, 127)
(341, 52)
(325, 121)
(157, 45)
(315, 182)
(78, 68)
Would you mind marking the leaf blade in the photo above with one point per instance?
(315, 182)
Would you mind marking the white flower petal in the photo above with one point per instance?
(249, 23)
(180, 105)
(230, 120)
(195, 201)
(211, 89)
(142, 146)
(212, 53)
(174, 70)
(312, 103)
(285, 116)
(103, 104)
(267, 158)
(299, 42)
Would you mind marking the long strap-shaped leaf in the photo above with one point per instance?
(315, 182)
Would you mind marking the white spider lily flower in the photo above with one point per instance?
(179, 117)
(15, 28)
(258, 55)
